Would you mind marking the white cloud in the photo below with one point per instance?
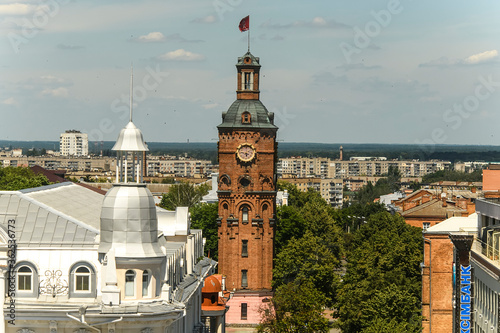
(210, 105)
(316, 22)
(481, 57)
(14, 9)
(181, 55)
(209, 19)
(475, 59)
(57, 92)
(152, 37)
(10, 101)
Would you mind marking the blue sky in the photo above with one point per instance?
(332, 71)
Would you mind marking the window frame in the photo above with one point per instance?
(244, 311)
(149, 283)
(87, 275)
(245, 210)
(244, 248)
(244, 278)
(91, 292)
(133, 284)
(35, 283)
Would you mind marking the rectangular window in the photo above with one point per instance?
(82, 283)
(244, 311)
(244, 248)
(247, 81)
(244, 279)
(24, 283)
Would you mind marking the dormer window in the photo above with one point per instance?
(246, 118)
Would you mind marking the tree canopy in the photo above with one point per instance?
(450, 175)
(382, 285)
(183, 195)
(18, 178)
(204, 217)
(295, 307)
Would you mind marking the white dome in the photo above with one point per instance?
(129, 223)
(130, 139)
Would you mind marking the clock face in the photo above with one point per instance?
(245, 153)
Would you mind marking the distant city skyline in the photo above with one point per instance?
(371, 72)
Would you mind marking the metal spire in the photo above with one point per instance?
(131, 88)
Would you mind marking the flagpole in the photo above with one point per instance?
(248, 40)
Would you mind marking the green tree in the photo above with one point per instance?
(204, 217)
(308, 258)
(383, 282)
(18, 178)
(295, 307)
(183, 195)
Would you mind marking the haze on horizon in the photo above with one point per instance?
(372, 72)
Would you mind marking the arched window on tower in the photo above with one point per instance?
(265, 212)
(244, 214)
(246, 118)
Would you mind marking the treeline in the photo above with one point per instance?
(450, 175)
(208, 150)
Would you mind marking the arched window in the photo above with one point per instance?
(129, 283)
(264, 211)
(244, 214)
(82, 280)
(246, 118)
(146, 283)
(26, 280)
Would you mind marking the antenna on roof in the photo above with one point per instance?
(131, 88)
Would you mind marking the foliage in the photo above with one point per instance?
(183, 195)
(18, 178)
(450, 175)
(383, 283)
(308, 242)
(204, 217)
(295, 307)
(389, 184)
(308, 258)
(168, 180)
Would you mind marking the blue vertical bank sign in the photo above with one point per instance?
(465, 298)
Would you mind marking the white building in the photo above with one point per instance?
(92, 263)
(74, 143)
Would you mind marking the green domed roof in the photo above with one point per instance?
(259, 116)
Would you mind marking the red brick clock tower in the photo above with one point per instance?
(247, 196)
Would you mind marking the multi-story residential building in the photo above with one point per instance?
(358, 166)
(74, 143)
(178, 167)
(302, 167)
(330, 189)
(98, 164)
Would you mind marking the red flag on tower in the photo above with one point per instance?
(245, 23)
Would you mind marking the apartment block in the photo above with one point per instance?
(74, 143)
